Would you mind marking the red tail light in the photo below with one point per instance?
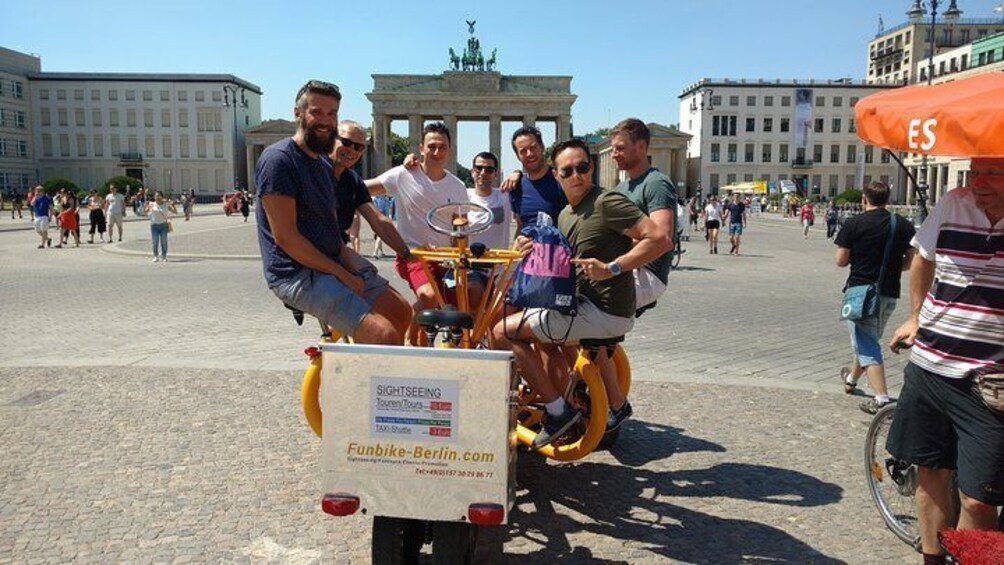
(340, 504)
(311, 352)
(484, 514)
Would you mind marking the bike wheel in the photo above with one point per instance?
(453, 542)
(397, 541)
(590, 398)
(674, 259)
(891, 483)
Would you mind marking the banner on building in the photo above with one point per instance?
(803, 117)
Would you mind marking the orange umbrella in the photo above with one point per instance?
(964, 118)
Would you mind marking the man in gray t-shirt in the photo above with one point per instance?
(653, 193)
(114, 211)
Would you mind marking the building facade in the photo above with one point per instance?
(747, 130)
(17, 156)
(172, 131)
(896, 55)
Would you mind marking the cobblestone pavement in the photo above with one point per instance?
(176, 433)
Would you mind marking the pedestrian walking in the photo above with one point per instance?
(159, 212)
(712, 223)
(735, 214)
(186, 205)
(96, 204)
(876, 251)
(808, 215)
(41, 205)
(832, 217)
(115, 205)
(15, 203)
(245, 205)
(69, 219)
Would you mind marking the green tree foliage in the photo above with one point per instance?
(464, 174)
(399, 149)
(52, 186)
(122, 183)
(849, 196)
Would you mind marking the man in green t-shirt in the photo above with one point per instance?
(653, 193)
(602, 226)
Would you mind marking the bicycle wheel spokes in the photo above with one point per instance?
(891, 483)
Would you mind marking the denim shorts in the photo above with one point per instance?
(328, 299)
(866, 335)
(735, 229)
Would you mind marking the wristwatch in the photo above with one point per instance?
(614, 268)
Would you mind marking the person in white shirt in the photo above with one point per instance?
(712, 222)
(415, 192)
(159, 212)
(485, 171)
(114, 211)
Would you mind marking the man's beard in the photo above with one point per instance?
(315, 142)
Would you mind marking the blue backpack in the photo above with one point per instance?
(545, 277)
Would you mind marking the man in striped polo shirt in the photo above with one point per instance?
(956, 325)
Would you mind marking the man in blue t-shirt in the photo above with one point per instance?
(735, 214)
(41, 205)
(305, 260)
(534, 189)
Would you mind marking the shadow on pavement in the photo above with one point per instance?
(632, 505)
(660, 442)
(695, 269)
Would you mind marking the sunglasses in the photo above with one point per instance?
(485, 168)
(346, 142)
(581, 169)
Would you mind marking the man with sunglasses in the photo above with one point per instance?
(653, 193)
(485, 170)
(304, 257)
(956, 331)
(534, 189)
(610, 237)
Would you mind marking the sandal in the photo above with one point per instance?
(849, 387)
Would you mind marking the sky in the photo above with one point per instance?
(627, 57)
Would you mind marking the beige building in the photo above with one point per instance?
(895, 54)
(172, 131)
(667, 151)
(17, 156)
(746, 130)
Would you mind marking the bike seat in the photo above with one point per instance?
(602, 342)
(445, 319)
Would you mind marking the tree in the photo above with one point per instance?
(399, 149)
(123, 183)
(464, 174)
(850, 195)
(52, 186)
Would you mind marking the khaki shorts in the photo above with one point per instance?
(41, 224)
(647, 287)
(114, 220)
(589, 323)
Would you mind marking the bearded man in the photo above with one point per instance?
(304, 258)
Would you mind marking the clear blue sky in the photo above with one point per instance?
(627, 57)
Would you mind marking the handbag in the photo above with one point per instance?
(170, 227)
(862, 301)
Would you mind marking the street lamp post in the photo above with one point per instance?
(231, 100)
(921, 185)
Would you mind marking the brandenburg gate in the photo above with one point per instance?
(472, 90)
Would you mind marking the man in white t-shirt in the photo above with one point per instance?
(485, 171)
(114, 211)
(415, 192)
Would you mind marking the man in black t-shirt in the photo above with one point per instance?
(861, 244)
(735, 214)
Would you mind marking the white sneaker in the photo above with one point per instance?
(156, 260)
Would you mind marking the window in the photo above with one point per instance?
(78, 117)
(851, 127)
(816, 181)
(732, 125)
(800, 154)
(716, 101)
(751, 100)
(63, 118)
(732, 152)
(60, 94)
(748, 154)
(714, 181)
(768, 125)
(64, 144)
(132, 144)
(836, 125)
(733, 100)
(116, 145)
(96, 118)
(217, 96)
(182, 96)
(130, 117)
(148, 118)
(782, 153)
(42, 94)
(218, 146)
(22, 151)
(715, 120)
(716, 150)
(148, 96)
(965, 36)
(165, 118)
(18, 89)
(750, 124)
(852, 154)
(165, 95)
(130, 95)
(45, 117)
(165, 147)
(765, 155)
(46, 145)
(786, 100)
(747, 177)
(834, 153)
(95, 95)
(113, 95)
(113, 117)
(183, 146)
(768, 100)
(785, 124)
(200, 144)
(819, 125)
(149, 146)
(81, 145)
(99, 146)
(183, 118)
(834, 181)
(200, 96)
(78, 94)
(820, 101)
(838, 101)
(730, 178)
(869, 153)
(817, 153)
(884, 158)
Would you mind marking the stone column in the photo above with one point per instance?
(530, 120)
(563, 128)
(679, 159)
(381, 141)
(415, 125)
(451, 124)
(495, 135)
(250, 166)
